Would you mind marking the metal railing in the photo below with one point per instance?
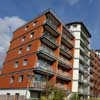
(46, 49)
(38, 84)
(67, 39)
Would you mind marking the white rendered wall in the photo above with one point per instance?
(14, 91)
(76, 32)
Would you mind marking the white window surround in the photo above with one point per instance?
(25, 62)
(28, 47)
(16, 64)
(26, 28)
(12, 80)
(20, 78)
(31, 34)
(23, 38)
(20, 51)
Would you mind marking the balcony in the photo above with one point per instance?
(84, 51)
(64, 51)
(64, 76)
(83, 59)
(64, 63)
(91, 84)
(60, 86)
(81, 80)
(49, 40)
(81, 68)
(91, 70)
(69, 43)
(86, 72)
(46, 53)
(37, 85)
(44, 68)
(86, 82)
(84, 37)
(49, 26)
(84, 45)
(83, 91)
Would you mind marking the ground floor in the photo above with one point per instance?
(20, 92)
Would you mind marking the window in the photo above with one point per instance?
(26, 28)
(31, 34)
(20, 51)
(28, 47)
(75, 25)
(35, 23)
(25, 62)
(16, 64)
(8, 93)
(20, 78)
(23, 39)
(38, 77)
(12, 80)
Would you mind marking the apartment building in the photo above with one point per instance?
(81, 64)
(94, 74)
(40, 52)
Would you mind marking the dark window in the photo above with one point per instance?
(12, 79)
(20, 79)
(16, 64)
(25, 62)
(23, 39)
(28, 47)
(31, 34)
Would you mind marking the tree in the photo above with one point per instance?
(74, 96)
(54, 94)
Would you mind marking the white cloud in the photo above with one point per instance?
(7, 26)
(72, 2)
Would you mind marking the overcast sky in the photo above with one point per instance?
(14, 13)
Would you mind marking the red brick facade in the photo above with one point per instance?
(22, 38)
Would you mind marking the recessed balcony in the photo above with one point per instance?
(44, 70)
(81, 69)
(49, 41)
(37, 85)
(66, 53)
(43, 67)
(83, 60)
(49, 26)
(91, 70)
(64, 76)
(64, 63)
(60, 86)
(46, 54)
(69, 43)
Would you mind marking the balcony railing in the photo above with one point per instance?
(60, 86)
(64, 62)
(44, 68)
(91, 84)
(63, 75)
(84, 51)
(46, 53)
(86, 82)
(49, 40)
(38, 85)
(64, 51)
(51, 27)
(81, 69)
(81, 91)
(83, 59)
(67, 41)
